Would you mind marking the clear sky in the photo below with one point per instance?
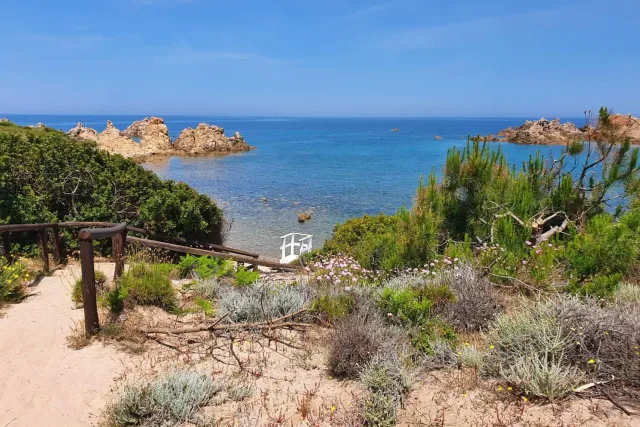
(320, 58)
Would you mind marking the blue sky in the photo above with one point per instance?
(320, 58)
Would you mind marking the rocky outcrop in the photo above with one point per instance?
(206, 139)
(81, 132)
(628, 126)
(543, 132)
(152, 133)
(150, 136)
(4, 120)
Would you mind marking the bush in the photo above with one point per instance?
(557, 336)
(205, 267)
(387, 380)
(331, 307)
(413, 306)
(600, 287)
(260, 302)
(171, 400)
(362, 238)
(355, 339)
(605, 247)
(207, 288)
(476, 300)
(76, 292)
(627, 293)
(146, 286)
(12, 282)
(543, 376)
(45, 176)
(246, 277)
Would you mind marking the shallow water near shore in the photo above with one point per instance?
(335, 168)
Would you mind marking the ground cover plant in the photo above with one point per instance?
(13, 279)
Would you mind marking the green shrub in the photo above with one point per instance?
(331, 307)
(414, 306)
(12, 282)
(76, 292)
(424, 336)
(246, 277)
(145, 286)
(204, 267)
(205, 306)
(600, 287)
(46, 176)
(348, 237)
(605, 247)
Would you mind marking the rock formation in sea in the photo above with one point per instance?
(438, 137)
(153, 138)
(208, 139)
(152, 133)
(82, 132)
(4, 120)
(543, 132)
(628, 126)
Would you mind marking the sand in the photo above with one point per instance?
(42, 381)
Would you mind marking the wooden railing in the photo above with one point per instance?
(119, 239)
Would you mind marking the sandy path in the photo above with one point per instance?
(42, 381)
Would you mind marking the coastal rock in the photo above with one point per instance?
(153, 134)
(304, 217)
(81, 132)
(628, 126)
(543, 132)
(113, 141)
(209, 139)
(4, 120)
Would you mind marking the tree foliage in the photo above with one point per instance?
(46, 176)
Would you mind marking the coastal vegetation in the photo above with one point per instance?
(510, 285)
(46, 176)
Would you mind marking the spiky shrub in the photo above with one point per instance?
(564, 334)
(170, 400)
(542, 375)
(261, 301)
(627, 293)
(146, 286)
(476, 300)
(354, 340)
(387, 380)
(76, 292)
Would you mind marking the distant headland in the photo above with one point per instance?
(149, 137)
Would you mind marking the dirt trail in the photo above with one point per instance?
(42, 381)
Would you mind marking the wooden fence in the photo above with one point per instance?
(118, 233)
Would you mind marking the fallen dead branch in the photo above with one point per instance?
(216, 326)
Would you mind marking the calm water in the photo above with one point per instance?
(336, 168)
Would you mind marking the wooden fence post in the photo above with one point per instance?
(42, 235)
(6, 244)
(91, 323)
(118, 244)
(58, 252)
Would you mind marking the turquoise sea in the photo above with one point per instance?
(337, 168)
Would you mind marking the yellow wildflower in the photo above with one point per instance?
(333, 407)
(492, 347)
(524, 399)
(465, 395)
(591, 361)
(466, 344)
(510, 388)
(500, 388)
